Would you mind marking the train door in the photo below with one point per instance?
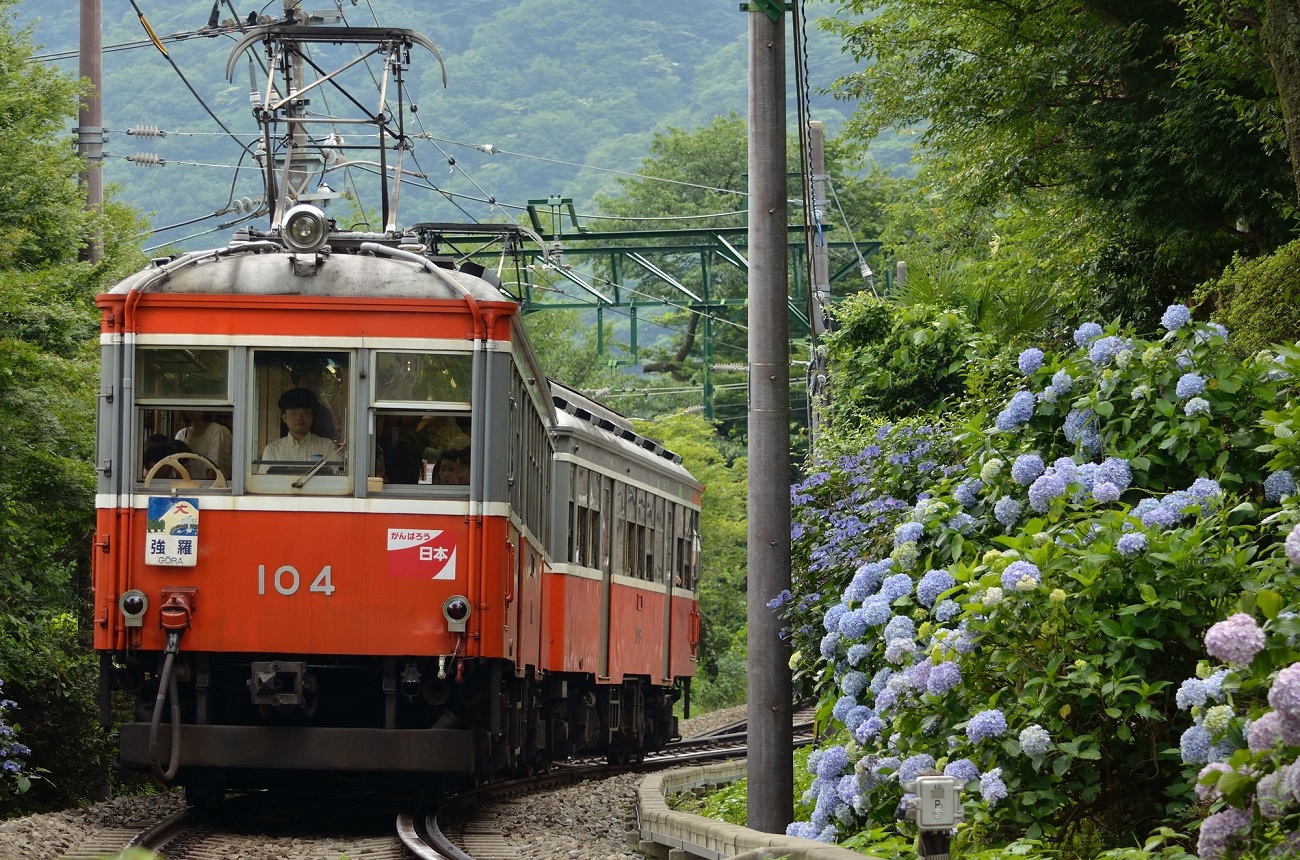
(669, 543)
(614, 500)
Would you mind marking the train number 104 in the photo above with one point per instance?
(287, 580)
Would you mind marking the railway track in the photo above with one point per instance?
(471, 825)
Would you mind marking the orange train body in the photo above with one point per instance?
(461, 568)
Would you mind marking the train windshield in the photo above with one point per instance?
(299, 421)
(184, 413)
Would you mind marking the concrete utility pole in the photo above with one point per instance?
(819, 292)
(90, 117)
(771, 736)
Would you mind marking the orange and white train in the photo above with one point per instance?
(461, 568)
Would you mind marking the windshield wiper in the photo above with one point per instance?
(320, 464)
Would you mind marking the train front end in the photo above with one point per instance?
(302, 551)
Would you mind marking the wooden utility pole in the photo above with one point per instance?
(771, 736)
(90, 118)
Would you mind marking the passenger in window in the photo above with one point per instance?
(310, 377)
(207, 438)
(450, 455)
(158, 447)
(298, 408)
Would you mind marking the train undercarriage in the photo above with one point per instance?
(249, 720)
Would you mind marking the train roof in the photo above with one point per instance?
(576, 412)
(264, 268)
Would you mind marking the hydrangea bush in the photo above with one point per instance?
(12, 751)
(1019, 598)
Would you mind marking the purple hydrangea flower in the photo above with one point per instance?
(1284, 694)
(1131, 544)
(1017, 572)
(992, 788)
(1265, 732)
(1030, 360)
(1219, 831)
(1189, 385)
(932, 585)
(963, 769)
(943, 677)
(1292, 545)
(1045, 488)
(1210, 791)
(1017, 412)
(1236, 640)
(1197, 406)
(1087, 333)
(1175, 317)
(986, 724)
(1007, 512)
(1026, 468)
(1035, 741)
(1104, 492)
(1278, 485)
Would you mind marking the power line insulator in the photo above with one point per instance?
(146, 159)
(146, 131)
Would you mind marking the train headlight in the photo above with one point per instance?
(456, 610)
(305, 228)
(134, 604)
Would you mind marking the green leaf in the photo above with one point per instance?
(1269, 601)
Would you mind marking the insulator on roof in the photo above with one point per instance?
(149, 159)
(146, 131)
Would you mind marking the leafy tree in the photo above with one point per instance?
(1016, 99)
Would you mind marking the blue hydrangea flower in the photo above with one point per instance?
(1195, 745)
(1045, 488)
(833, 762)
(853, 624)
(1017, 412)
(963, 769)
(913, 765)
(900, 627)
(1017, 572)
(1131, 544)
(932, 585)
(992, 788)
(1279, 485)
(1205, 490)
(961, 522)
(876, 610)
(1210, 330)
(780, 600)
(1117, 471)
(1189, 385)
(829, 643)
(1175, 317)
(858, 653)
(898, 650)
(1087, 333)
(908, 532)
(1158, 517)
(1103, 351)
(831, 621)
(1062, 383)
(1197, 406)
(986, 724)
(1080, 429)
(1030, 360)
(842, 706)
(1035, 741)
(1026, 468)
(1191, 694)
(1067, 469)
(943, 677)
(1105, 493)
(1007, 511)
(870, 729)
(967, 492)
(946, 610)
(853, 683)
(896, 586)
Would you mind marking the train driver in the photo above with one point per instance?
(298, 407)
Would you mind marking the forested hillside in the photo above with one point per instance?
(550, 86)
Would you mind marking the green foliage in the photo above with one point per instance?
(894, 362)
(1258, 299)
(54, 678)
(1125, 552)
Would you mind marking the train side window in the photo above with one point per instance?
(299, 421)
(183, 405)
(420, 410)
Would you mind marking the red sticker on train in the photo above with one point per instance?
(421, 554)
